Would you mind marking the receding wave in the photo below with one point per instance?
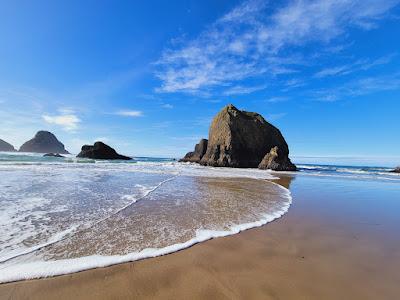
(58, 218)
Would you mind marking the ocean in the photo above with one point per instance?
(63, 215)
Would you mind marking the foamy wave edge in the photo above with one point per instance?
(43, 269)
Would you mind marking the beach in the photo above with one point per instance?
(338, 240)
(241, 149)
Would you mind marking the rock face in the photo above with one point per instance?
(275, 160)
(44, 142)
(397, 170)
(53, 155)
(4, 146)
(199, 151)
(100, 151)
(242, 139)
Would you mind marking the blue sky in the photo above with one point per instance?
(148, 77)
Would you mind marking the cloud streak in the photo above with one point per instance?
(359, 87)
(359, 65)
(129, 113)
(249, 43)
(239, 89)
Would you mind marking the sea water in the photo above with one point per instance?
(62, 215)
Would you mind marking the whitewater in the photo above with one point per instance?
(63, 215)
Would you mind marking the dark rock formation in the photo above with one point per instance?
(199, 151)
(4, 146)
(275, 160)
(100, 151)
(242, 139)
(53, 155)
(397, 170)
(44, 142)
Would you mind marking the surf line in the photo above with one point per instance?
(73, 231)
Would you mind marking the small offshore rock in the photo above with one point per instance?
(397, 170)
(100, 151)
(53, 155)
(199, 151)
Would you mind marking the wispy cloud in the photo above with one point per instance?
(129, 113)
(247, 42)
(167, 106)
(359, 65)
(359, 87)
(68, 122)
(277, 99)
(239, 89)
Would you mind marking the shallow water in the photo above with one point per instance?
(62, 215)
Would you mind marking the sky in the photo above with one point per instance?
(148, 77)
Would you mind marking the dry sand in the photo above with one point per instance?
(310, 253)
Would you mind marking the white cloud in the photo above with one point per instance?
(359, 65)
(239, 89)
(342, 70)
(359, 87)
(277, 99)
(130, 113)
(69, 122)
(167, 106)
(247, 43)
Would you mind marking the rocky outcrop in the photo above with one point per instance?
(397, 170)
(6, 147)
(53, 155)
(44, 142)
(199, 151)
(275, 160)
(242, 139)
(100, 151)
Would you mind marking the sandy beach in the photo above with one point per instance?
(309, 253)
(242, 149)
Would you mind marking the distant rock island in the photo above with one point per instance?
(397, 170)
(242, 139)
(44, 142)
(53, 155)
(6, 147)
(100, 151)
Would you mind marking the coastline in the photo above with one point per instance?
(307, 254)
(44, 269)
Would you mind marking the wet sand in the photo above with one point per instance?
(339, 240)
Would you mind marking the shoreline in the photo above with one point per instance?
(307, 254)
(86, 263)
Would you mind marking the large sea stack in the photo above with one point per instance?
(44, 142)
(199, 151)
(6, 147)
(243, 139)
(100, 151)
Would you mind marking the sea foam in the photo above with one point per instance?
(48, 204)
(40, 269)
